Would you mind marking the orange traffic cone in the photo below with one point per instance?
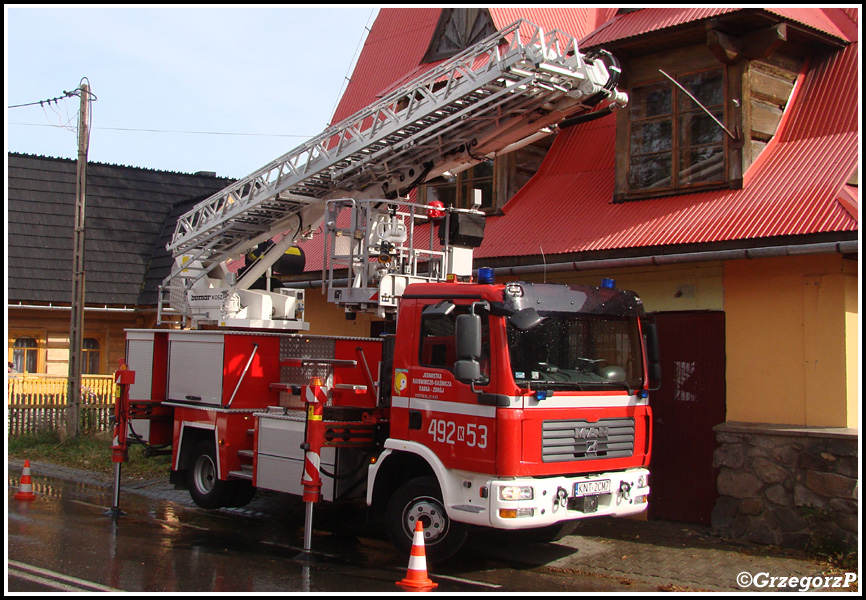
(416, 577)
(25, 489)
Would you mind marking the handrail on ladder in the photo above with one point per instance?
(341, 148)
(489, 97)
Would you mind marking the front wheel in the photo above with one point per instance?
(420, 499)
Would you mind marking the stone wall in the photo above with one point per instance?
(787, 486)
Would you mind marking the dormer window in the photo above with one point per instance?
(674, 142)
(678, 132)
(458, 28)
(700, 113)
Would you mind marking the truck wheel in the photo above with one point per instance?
(242, 493)
(205, 488)
(421, 499)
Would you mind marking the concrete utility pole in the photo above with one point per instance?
(76, 326)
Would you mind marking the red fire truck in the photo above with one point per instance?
(514, 405)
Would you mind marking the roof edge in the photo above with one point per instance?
(206, 174)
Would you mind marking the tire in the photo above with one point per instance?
(205, 488)
(242, 493)
(421, 498)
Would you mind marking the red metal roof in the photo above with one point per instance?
(393, 49)
(832, 21)
(576, 22)
(796, 187)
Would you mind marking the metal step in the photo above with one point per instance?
(246, 472)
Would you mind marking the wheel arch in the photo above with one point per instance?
(191, 435)
(390, 472)
(400, 462)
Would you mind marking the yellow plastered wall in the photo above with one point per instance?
(790, 353)
(792, 329)
(674, 287)
(326, 318)
(852, 344)
(665, 288)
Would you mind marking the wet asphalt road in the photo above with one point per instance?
(65, 540)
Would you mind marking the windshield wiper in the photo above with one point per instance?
(580, 386)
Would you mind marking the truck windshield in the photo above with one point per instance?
(581, 352)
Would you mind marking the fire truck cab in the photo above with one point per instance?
(515, 406)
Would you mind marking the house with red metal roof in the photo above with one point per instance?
(726, 195)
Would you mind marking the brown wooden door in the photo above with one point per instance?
(689, 403)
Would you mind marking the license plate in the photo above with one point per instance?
(592, 488)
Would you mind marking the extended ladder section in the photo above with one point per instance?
(486, 100)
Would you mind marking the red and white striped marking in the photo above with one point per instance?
(316, 394)
(312, 463)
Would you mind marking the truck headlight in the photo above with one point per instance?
(516, 492)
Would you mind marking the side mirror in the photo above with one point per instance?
(467, 371)
(468, 334)
(468, 345)
(651, 340)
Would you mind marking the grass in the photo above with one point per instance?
(90, 452)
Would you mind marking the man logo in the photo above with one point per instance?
(583, 433)
(592, 446)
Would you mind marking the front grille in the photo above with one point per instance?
(576, 439)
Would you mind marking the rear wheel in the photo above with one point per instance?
(205, 488)
(242, 493)
(421, 500)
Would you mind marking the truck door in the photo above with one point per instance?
(444, 414)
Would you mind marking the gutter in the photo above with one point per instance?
(87, 308)
(846, 247)
(843, 247)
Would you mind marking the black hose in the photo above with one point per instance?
(586, 117)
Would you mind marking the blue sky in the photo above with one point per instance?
(271, 73)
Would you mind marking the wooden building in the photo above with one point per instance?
(127, 221)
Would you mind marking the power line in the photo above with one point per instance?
(291, 135)
(48, 102)
(346, 78)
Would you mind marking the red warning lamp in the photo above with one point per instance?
(435, 210)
